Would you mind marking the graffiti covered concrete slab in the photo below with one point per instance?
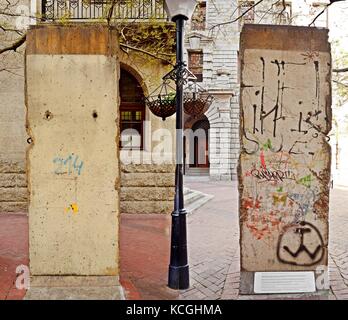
(284, 169)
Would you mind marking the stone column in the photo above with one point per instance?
(73, 169)
(221, 138)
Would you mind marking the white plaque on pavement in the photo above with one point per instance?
(284, 282)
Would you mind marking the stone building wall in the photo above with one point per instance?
(147, 188)
(220, 78)
(13, 191)
(220, 45)
(147, 183)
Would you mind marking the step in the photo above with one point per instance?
(187, 191)
(197, 172)
(195, 199)
(192, 197)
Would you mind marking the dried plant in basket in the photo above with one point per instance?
(196, 100)
(162, 101)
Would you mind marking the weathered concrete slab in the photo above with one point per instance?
(73, 165)
(284, 170)
(92, 293)
(74, 288)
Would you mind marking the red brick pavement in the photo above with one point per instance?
(213, 243)
(144, 244)
(338, 249)
(144, 255)
(13, 252)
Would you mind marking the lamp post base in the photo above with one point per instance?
(179, 277)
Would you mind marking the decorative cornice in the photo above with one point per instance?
(222, 92)
(202, 36)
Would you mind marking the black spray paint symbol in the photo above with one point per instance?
(301, 230)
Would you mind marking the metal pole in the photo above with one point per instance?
(179, 269)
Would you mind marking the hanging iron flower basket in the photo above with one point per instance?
(162, 102)
(196, 101)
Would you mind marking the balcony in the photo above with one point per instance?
(99, 10)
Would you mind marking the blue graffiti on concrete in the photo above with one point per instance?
(69, 165)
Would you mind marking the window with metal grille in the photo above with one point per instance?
(283, 13)
(195, 64)
(247, 12)
(199, 17)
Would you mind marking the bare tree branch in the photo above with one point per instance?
(284, 8)
(267, 11)
(110, 12)
(241, 16)
(11, 14)
(340, 83)
(11, 72)
(5, 29)
(341, 70)
(15, 45)
(321, 12)
(146, 52)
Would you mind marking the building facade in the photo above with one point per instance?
(212, 43)
(212, 55)
(13, 137)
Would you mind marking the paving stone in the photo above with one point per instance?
(213, 239)
(13, 252)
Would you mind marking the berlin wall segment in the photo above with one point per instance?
(71, 73)
(284, 168)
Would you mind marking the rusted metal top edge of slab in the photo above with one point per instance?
(289, 38)
(72, 39)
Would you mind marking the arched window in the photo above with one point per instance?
(132, 112)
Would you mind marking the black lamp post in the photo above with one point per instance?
(178, 278)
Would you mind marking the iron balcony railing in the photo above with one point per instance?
(136, 10)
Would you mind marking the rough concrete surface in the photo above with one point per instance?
(73, 168)
(285, 161)
(74, 288)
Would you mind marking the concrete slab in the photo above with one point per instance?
(322, 295)
(75, 288)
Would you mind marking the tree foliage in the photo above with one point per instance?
(153, 37)
(156, 39)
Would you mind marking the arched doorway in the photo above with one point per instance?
(197, 146)
(132, 112)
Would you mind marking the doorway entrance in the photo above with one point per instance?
(197, 148)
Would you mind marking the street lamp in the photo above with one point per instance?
(179, 11)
